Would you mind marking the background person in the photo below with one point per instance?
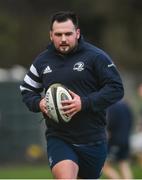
(120, 118)
(136, 138)
(76, 148)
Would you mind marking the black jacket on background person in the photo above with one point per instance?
(89, 72)
(120, 121)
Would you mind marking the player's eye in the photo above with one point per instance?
(58, 34)
(68, 33)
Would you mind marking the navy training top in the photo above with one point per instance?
(90, 73)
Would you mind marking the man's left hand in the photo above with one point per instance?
(71, 107)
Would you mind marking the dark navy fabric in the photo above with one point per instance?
(90, 73)
(118, 152)
(89, 157)
(120, 120)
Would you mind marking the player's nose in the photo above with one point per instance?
(63, 38)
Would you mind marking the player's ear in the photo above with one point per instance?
(78, 33)
(51, 35)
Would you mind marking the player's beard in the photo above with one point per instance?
(66, 48)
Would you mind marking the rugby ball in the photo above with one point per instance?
(54, 95)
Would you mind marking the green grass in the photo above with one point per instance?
(43, 172)
(25, 172)
(137, 171)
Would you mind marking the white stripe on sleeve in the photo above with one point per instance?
(22, 88)
(34, 71)
(31, 82)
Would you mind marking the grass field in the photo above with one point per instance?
(25, 172)
(42, 172)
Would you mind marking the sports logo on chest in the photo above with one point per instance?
(79, 66)
(47, 70)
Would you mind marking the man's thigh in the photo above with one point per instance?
(58, 150)
(91, 159)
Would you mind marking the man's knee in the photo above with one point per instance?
(66, 169)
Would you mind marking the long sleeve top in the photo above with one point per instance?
(89, 72)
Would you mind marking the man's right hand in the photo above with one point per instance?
(42, 106)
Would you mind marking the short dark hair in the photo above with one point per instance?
(63, 16)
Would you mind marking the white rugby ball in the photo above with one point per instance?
(54, 95)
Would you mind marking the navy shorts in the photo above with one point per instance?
(118, 152)
(90, 158)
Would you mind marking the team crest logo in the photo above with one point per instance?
(78, 66)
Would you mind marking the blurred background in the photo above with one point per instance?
(115, 26)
